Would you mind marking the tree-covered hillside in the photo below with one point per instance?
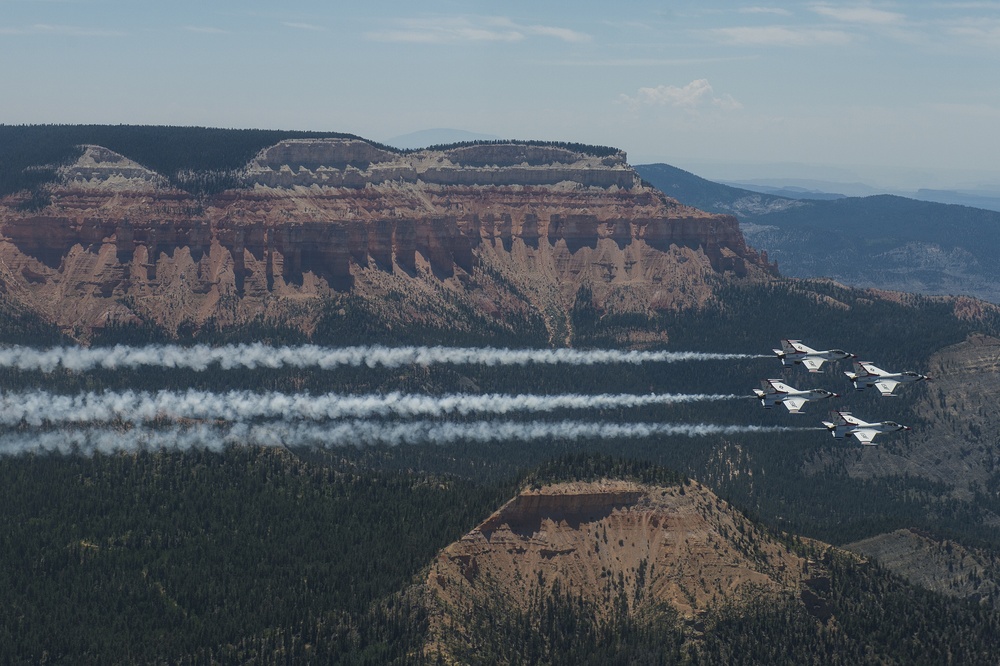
(881, 241)
(273, 556)
(200, 159)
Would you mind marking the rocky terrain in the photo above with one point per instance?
(955, 443)
(613, 545)
(933, 563)
(501, 230)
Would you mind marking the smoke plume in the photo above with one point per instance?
(36, 408)
(228, 357)
(346, 433)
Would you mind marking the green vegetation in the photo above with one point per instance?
(351, 320)
(188, 554)
(877, 618)
(201, 160)
(586, 149)
(18, 325)
(277, 556)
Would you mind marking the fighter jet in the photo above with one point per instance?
(866, 375)
(845, 425)
(774, 391)
(793, 352)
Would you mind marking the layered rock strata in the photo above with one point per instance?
(321, 216)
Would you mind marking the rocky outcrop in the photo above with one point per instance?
(355, 163)
(325, 216)
(611, 543)
(940, 565)
(103, 169)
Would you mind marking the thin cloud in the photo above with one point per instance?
(765, 10)
(304, 26)
(967, 5)
(60, 30)
(692, 97)
(981, 31)
(859, 14)
(206, 30)
(451, 30)
(779, 35)
(565, 34)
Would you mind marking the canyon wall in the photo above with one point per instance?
(317, 217)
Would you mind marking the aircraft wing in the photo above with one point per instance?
(813, 364)
(886, 386)
(865, 436)
(861, 368)
(794, 346)
(778, 387)
(847, 419)
(794, 404)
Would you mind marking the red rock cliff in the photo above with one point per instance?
(609, 543)
(322, 216)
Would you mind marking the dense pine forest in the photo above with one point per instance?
(273, 557)
(278, 555)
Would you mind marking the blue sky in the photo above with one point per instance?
(879, 90)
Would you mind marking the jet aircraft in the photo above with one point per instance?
(866, 375)
(774, 391)
(845, 425)
(793, 352)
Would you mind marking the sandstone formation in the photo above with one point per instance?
(610, 543)
(503, 229)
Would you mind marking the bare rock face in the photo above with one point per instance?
(103, 169)
(503, 228)
(608, 543)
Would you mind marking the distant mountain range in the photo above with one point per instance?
(881, 241)
(808, 188)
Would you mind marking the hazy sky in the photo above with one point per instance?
(885, 88)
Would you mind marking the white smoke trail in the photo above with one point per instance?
(251, 356)
(348, 433)
(36, 408)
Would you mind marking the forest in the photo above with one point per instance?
(314, 555)
(280, 555)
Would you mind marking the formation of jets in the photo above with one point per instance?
(847, 425)
(865, 376)
(793, 352)
(773, 391)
